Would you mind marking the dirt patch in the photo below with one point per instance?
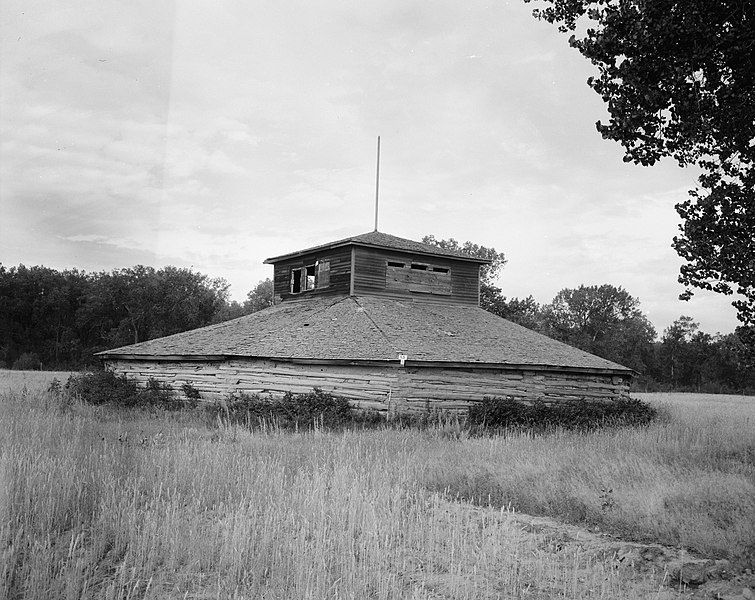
(676, 573)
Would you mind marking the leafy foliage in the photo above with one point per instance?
(495, 413)
(102, 387)
(292, 411)
(526, 311)
(687, 359)
(149, 303)
(607, 321)
(678, 79)
(106, 387)
(64, 317)
(28, 361)
(488, 273)
(191, 392)
(604, 320)
(260, 297)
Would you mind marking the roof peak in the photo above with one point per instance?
(383, 240)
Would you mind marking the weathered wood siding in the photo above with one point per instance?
(372, 275)
(340, 273)
(455, 389)
(388, 388)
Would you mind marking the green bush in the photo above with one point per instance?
(495, 413)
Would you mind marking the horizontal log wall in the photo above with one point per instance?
(388, 388)
(456, 389)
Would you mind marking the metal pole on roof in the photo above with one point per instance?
(377, 184)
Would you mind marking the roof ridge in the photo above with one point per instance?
(367, 314)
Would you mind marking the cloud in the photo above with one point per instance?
(215, 136)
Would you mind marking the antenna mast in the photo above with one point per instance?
(377, 183)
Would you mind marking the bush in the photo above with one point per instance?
(159, 395)
(28, 361)
(495, 413)
(102, 387)
(105, 387)
(191, 393)
(292, 411)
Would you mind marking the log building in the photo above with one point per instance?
(387, 322)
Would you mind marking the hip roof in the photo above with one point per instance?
(372, 328)
(376, 239)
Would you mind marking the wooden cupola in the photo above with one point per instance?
(378, 264)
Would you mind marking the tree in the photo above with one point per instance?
(604, 320)
(38, 313)
(488, 273)
(730, 369)
(140, 303)
(260, 297)
(525, 312)
(229, 310)
(678, 78)
(675, 349)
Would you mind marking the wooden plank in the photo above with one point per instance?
(416, 388)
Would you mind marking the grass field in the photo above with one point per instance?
(98, 502)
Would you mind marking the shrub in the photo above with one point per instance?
(106, 387)
(583, 415)
(28, 361)
(159, 395)
(191, 393)
(102, 387)
(292, 411)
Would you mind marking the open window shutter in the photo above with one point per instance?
(323, 273)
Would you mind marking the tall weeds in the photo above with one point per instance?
(687, 482)
(97, 502)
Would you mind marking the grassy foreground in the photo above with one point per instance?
(97, 502)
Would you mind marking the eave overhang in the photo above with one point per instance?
(350, 242)
(396, 363)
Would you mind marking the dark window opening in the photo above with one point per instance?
(296, 281)
(310, 277)
(418, 267)
(440, 270)
(396, 264)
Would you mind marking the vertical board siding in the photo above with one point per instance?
(375, 387)
(370, 273)
(340, 273)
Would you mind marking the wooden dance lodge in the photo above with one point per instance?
(389, 323)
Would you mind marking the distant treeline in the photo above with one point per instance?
(59, 319)
(607, 321)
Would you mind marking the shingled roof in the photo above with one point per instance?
(372, 328)
(376, 239)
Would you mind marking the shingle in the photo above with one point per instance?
(373, 328)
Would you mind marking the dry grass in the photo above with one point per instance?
(101, 503)
(31, 381)
(687, 482)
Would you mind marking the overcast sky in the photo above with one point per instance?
(213, 135)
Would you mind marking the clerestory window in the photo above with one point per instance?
(416, 277)
(310, 277)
